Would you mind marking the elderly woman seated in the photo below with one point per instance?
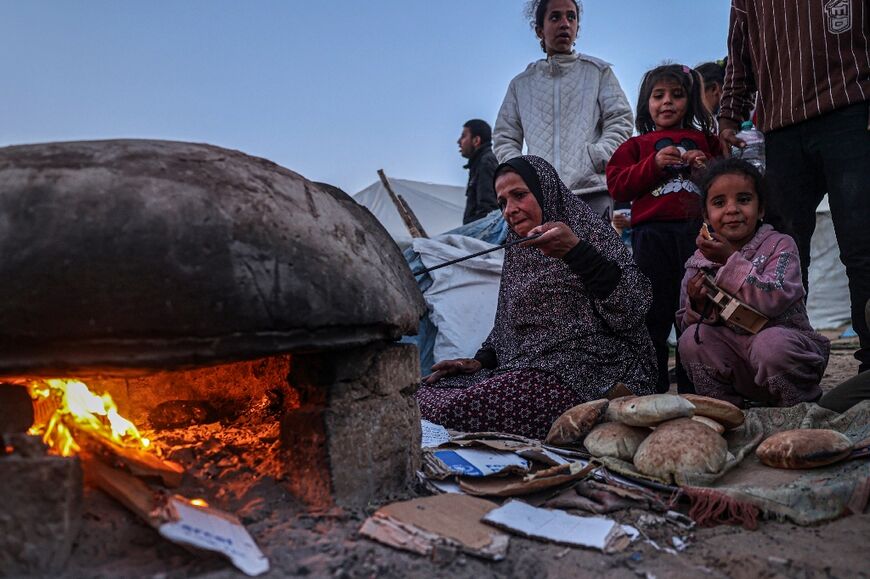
(570, 319)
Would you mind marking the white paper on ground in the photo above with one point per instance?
(214, 530)
(433, 434)
(478, 462)
(553, 525)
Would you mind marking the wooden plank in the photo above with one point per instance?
(137, 462)
(16, 408)
(124, 488)
(415, 228)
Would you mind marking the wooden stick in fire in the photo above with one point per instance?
(138, 462)
(124, 488)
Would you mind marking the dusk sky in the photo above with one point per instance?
(334, 90)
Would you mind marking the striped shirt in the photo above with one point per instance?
(803, 58)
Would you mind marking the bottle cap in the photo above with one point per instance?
(746, 125)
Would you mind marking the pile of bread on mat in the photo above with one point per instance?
(665, 434)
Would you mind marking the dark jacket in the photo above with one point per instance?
(480, 193)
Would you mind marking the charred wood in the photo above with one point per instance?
(16, 408)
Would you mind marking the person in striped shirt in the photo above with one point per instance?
(805, 67)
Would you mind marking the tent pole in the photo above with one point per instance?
(405, 212)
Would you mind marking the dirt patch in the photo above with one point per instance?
(231, 475)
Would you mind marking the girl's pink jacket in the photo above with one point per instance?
(765, 274)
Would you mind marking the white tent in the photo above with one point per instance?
(828, 300)
(438, 207)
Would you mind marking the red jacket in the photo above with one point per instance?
(658, 194)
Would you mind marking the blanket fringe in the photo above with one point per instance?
(710, 507)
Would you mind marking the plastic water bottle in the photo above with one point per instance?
(753, 152)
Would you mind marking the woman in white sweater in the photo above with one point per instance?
(568, 108)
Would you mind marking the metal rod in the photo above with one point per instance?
(490, 250)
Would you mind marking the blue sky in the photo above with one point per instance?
(331, 89)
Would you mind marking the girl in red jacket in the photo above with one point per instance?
(654, 172)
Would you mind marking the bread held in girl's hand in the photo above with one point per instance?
(575, 423)
(648, 410)
(681, 446)
(805, 448)
(705, 232)
(721, 411)
(615, 440)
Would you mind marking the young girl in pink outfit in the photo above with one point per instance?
(783, 364)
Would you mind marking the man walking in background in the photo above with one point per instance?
(475, 144)
(806, 68)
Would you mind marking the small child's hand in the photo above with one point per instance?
(697, 292)
(717, 250)
(695, 159)
(668, 156)
(621, 221)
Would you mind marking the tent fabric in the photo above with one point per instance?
(438, 207)
(491, 229)
(828, 302)
(463, 297)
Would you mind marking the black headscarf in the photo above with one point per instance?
(522, 168)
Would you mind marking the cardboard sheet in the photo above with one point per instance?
(480, 462)
(518, 485)
(453, 520)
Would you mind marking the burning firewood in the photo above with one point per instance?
(73, 418)
(137, 462)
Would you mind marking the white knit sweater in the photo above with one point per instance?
(571, 111)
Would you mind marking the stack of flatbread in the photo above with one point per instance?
(661, 435)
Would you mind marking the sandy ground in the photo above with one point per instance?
(113, 543)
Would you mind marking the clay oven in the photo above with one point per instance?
(186, 272)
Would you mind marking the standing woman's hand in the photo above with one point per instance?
(451, 368)
(556, 240)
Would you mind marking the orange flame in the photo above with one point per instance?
(73, 404)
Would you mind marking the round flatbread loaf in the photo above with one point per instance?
(721, 411)
(805, 448)
(575, 423)
(710, 422)
(615, 440)
(648, 410)
(610, 414)
(681, 446)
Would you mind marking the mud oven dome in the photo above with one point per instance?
(164, 271)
